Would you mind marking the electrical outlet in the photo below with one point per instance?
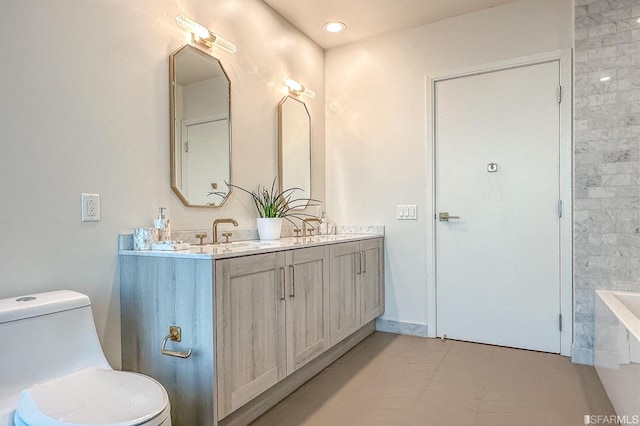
(90, 207)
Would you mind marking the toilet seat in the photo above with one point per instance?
(95, 396)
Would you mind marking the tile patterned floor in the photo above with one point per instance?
(412, 381)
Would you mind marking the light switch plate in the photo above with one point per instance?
(407, 212)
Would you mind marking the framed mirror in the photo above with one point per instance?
(294, 135)
(200, 128)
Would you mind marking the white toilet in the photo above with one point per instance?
(53, 371)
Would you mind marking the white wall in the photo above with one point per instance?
(85, 108)
(378, 124)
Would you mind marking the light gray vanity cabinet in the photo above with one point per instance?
(272, 318)
(159, 292)
(357, 286)
(259, 325)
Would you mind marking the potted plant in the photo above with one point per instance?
(274, 205)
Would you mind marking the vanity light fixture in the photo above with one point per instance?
(334, 27)
(297, 88)
(203, 35)
(605, 78)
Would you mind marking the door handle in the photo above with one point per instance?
(293, 281)
(444, 217)
(282, 279)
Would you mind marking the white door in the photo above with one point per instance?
(206, 160)
(497, 150)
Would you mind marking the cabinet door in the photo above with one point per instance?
(371, 280)
(307, 305)
(344, 292)
(250, 329)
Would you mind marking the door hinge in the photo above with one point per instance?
(559, 208)
(559, 92)
(560, 322)
(186, 146)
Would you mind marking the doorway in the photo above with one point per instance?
(205, 158)
(498, 195)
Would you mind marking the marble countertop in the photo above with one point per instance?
(245, 248)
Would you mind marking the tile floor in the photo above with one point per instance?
(409, 381)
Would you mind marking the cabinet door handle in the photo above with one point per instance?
(364, 261)
(359, 266)
(293, 280)
(282, 286)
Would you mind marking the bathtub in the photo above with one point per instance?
(617, 350)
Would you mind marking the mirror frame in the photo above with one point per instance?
(172, 124)
(280, 148)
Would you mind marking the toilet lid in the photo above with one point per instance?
(93, 396)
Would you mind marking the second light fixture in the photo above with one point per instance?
(297, 88)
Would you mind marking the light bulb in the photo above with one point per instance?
(298, 88)
(193, 26)
(308, 92)
(224, 44)
(205, 36)
(292, 84)
(334, 27)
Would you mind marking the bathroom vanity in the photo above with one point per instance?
(260, 318)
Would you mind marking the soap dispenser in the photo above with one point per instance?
(162, 225)
(323, 224)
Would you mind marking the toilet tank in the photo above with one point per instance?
(44, 336)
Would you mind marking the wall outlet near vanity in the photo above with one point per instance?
(90, 207)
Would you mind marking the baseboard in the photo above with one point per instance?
(398, 327)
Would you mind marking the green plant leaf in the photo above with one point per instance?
(270, 202)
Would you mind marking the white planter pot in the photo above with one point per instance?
(269, 228)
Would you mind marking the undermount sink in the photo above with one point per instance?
(257, 243)
(239, 244)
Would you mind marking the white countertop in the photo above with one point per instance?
(245, 248)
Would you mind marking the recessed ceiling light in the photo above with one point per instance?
(606, 78)
(334, 27)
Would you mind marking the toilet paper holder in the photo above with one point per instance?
(175, 335)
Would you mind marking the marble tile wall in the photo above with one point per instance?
(606, 158)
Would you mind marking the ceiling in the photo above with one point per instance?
(367, 18)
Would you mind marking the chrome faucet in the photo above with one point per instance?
(215, 228)
(304, 226)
